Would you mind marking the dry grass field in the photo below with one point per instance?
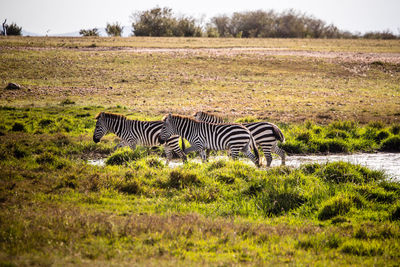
(277, 79)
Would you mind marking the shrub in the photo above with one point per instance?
(161, 22)
(89, 32)
(391, 144)
(14, 29)
(114, 29)
(338, 205)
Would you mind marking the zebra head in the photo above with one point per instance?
(166, 130)
(101, 127)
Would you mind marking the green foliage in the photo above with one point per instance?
(114, 29)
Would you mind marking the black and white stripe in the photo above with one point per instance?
(203, 135)
(133, 132)
(265, 134)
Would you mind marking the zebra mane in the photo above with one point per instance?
(180, 116)
(110, 115)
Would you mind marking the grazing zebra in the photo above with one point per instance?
(203, 135)
(266, 135)
(133, 132)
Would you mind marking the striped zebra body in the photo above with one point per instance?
(265, 134)
(133, 132)
(203, 135)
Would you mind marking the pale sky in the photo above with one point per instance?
(38, 16)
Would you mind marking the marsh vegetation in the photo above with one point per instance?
(58, 209)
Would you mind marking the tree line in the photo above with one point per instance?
(249, 24)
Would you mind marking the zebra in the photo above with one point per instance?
(203, 135)
(134, 132)
(266, 135)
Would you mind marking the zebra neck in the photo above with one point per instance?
(185, 129)
(116, 126)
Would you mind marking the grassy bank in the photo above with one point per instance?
(57, 209)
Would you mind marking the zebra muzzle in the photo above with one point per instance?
(162, 141)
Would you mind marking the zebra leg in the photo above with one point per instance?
(203, 155)
(267, 154)
(168, 153)
(251, 156)
(280, 152)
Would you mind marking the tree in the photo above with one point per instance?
(12, 29)
(114, 29)
(154, 22)
(161, 22)
(89, 32)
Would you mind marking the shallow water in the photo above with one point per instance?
(387, 162)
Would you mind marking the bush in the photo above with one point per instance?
(161, 22)
(89, 32)
(288, 24)
(114, 29)
(14, 29)
(391, 144)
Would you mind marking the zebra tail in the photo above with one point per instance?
(255, 149)
(278, 133)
